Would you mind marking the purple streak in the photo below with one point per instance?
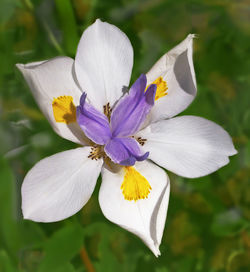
(94, 124)
(124, 151)
(126, 119)
(132, 109)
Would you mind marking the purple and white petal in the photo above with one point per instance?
(124, 151)
(48, 80)
(60, 185)
(103, 63)
(189, 146)
(132, 110)
(94, 124)
(177, 69)
(145, 217)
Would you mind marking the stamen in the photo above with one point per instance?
(64, 109)
(107, 110)
(96, 153)
(134, 186)
(162, 87)
(141, 141)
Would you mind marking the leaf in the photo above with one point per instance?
(5, 263)
(68, 23)
(15, 233)
(62, 247)
(228, 223)
(7, 9)
(65, 268)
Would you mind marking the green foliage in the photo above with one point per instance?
(61, 248)
(207, 228)
(68, 25)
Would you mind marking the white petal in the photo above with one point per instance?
(176, 68)
(189, 146)
(60, 185)
(146, 217)
(103, 63)
(48, 80)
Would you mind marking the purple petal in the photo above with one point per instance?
(94, 124)
(124, 151)
(132, 109)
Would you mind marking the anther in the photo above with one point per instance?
(96, 153)
(107, 110)
(141, 141)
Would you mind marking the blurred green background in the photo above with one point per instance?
(207, 228)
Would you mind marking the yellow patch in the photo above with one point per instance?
(161, 88)
(134, 186)
(64, 109)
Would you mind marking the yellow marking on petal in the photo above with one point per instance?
(64, 109)
(161, 87)
(134, 186)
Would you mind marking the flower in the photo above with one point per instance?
(84, 102)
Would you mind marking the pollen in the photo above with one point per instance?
(162, 87)
(134, 186)
(96, 153)
(64, 109)
(141, 141)
(107, 111)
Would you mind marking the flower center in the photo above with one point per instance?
(162, 87)
(134, 186)
(141, 141)
(107, 111)
(96, 152)
(64, 109)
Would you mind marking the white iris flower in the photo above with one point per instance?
(122, 136)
